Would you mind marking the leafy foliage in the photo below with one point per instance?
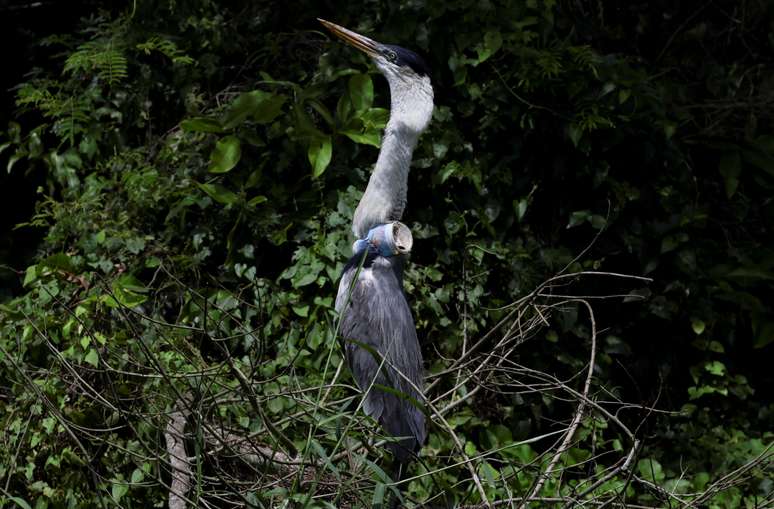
(201, 164)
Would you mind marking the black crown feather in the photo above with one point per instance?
(411, 59)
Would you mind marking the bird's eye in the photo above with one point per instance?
(392, 56)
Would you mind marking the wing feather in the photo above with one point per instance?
(374, 313)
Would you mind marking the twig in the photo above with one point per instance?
(578, 413)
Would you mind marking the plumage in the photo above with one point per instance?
(376, 314)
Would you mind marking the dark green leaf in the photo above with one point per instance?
(262, 107)
(730, 167)
(579, 217)
(492, 42)
(201, 125)
(241, 108)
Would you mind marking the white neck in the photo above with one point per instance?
(385, 197)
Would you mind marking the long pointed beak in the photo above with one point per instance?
(361, 42)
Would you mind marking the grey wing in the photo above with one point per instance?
(378, 315)
(355, 324)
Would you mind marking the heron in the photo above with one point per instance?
(381, 344)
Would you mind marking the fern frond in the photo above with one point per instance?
(99, 58)
(167, 48)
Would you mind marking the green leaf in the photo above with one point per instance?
(262, 106)
(241, 108)
(521, 208)
(302, 311)
(92, 358)
(716, 368)
(320, 152)
(59, 261)
(669, 129)
(449, 170)
(578, 217)
(31, 275)
(379, 491)
(730, 167)
(371, 138)
(128, 291)
(20, 502)
(751, 272)
(226, 155)
(598, 222)
(575, 132)
(697, 326)
(201, 125)
(119, 490)
(361, 92)
(275, 405)
(375, 118)
(269, 109)
(320, 452)
(257, 200)
(492, 42)
(323, 111)
(137, 476)
(763, 330)
(219, 193)
(14, 159)
(651, 470)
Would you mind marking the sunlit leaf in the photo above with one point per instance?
(225, 155)
(361, 91)
(92, 358)
(372, 138)
(320, 152)
(716, 368)
(220, 193)
(375, 118)
(119, 490)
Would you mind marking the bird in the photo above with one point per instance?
(375, 320)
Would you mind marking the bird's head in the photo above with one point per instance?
(411, 92)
